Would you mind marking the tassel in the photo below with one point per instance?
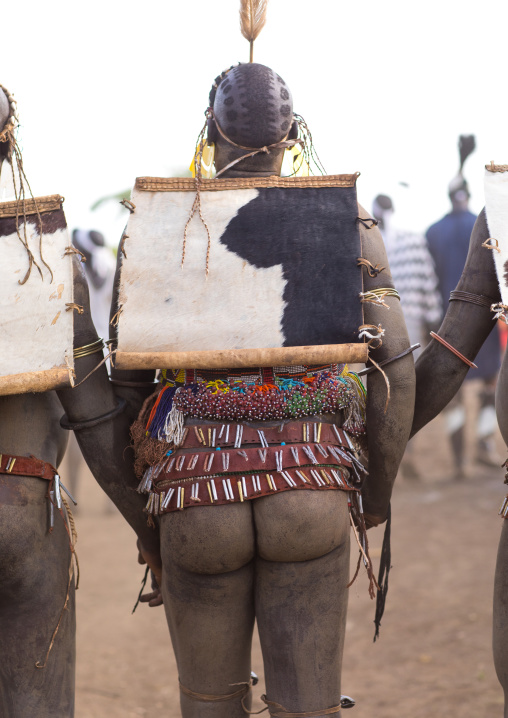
(252, 20)
(384, 572)
(174, 430)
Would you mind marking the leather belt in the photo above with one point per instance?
(26, 466)
(292, 432)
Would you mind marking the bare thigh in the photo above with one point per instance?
(302, 572)
(207, 584)
(34, 575)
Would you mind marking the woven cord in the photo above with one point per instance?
(211, 698)
(70, 527)
(278, 711)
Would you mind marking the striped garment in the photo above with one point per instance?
(415, 279)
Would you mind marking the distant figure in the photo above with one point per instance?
(448, 242)
(415, 280)
(413, 273)
(100, 268)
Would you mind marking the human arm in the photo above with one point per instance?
(387, 431)
(105, 445)
(439, 372)
(133, 385)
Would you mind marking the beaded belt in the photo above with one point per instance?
(234, 463)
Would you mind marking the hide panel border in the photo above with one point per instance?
(188, 184)
(31, 206)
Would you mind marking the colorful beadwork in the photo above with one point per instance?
(233, 399)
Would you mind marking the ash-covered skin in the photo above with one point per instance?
(34, 563)
(283, 559)
(439, 375)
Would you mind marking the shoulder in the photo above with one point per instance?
(471, 218)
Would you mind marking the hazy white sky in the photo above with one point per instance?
(109, 90)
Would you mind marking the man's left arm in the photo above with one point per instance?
(388, 425)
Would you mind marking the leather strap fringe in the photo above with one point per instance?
(492, 244)
(370, 369)
(499, 310)
(72, 305)
(453, 350)
(384, 571)
(371, 269)
(383, 374)
(365, 220)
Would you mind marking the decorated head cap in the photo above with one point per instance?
(8, 123)
(250, 104)
(253, 106)
(14, 181)
(250, 108)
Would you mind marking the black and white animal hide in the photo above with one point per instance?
(282, 267)
(36, 331)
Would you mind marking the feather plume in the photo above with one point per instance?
(252, 20)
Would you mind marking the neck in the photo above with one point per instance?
(264, 164)
(460, 206)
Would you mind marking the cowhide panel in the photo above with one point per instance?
(36, 331)
(282, 270)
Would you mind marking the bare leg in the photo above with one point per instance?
(34, 573)
(500, 624)
(455, 417)
(207, 584)
(301, 596)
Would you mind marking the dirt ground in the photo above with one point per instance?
(434, 654)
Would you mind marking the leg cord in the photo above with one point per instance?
(360, 532)
(70, 527)
(211, 698)
(143, 584)
(275, 709)
(278, 711)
